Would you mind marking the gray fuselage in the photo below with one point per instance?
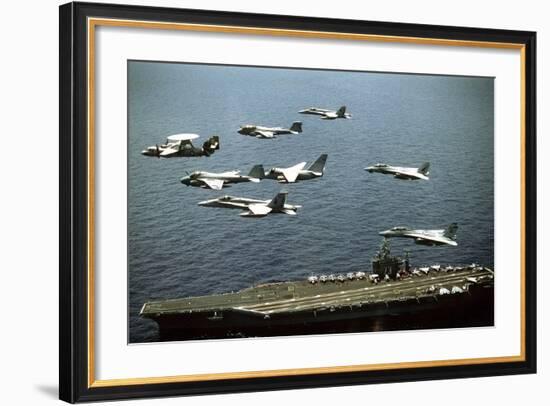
(196, 178)
(276, 174)
(256, 129)
(231, 202)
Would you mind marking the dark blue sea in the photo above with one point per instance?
(178, 249)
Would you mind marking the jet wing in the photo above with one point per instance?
(410, 175)
(435, 238)
(289, 212)
(314, 110)
(257, 210)
(216, 184)
(265, 134)
(330, 115)
(291, 174)
(168, 151)
(403, 175)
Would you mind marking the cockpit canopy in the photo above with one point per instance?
(400, 228)
(381, 165)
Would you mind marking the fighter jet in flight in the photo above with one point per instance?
(402, 173)
(297, 172)
(425, 237)
(217, 181)
(269, 132)
(179, 145)
(254, 207)
(327, 114)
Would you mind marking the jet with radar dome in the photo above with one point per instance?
(180, 145)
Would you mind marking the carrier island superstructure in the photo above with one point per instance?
(391, 296)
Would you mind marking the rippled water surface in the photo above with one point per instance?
(177, 248)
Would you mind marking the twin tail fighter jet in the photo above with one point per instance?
(254, 207)
(269, 132)
(402, 173)
(217, 181)
(327, 114)
(425, 237)
(180, 145)
(297, 172)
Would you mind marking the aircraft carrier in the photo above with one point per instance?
(392, 296)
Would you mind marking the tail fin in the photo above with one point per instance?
(296, 126)
(341, 111)
(450, 232)
(257, 172)
(424, 168)
(278, 202)
(319, 165)
(210, 145)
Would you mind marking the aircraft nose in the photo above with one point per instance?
(185, 180)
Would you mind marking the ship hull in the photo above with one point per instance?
(472, 308)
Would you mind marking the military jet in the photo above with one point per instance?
(254, 207)
(297, 172)
(217, 181)
(402, 173)
(327, 114)
(179, 145)
(425, 237)
(269, 132)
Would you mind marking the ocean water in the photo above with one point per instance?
(178, 249)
